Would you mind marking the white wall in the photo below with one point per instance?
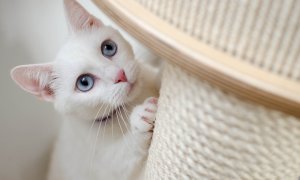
(31, 31)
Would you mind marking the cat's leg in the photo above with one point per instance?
(142, 121)
(127, 156)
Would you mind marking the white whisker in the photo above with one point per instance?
(122, 129)
(106, 123)
(127, 128)
(119, 121)
(112, 123)
(94, 120)
(125, 111)
(95, 143)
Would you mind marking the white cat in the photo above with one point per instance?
(99, 88)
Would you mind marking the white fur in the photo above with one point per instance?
(114, 156)
(87, 149)
(120, 149)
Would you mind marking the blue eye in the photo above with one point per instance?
(109, 48)
(85, 82)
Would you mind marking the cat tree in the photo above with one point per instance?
(230, 98)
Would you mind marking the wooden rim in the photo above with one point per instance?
(227, 72)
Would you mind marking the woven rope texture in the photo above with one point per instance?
(264, 33)
(204, 133)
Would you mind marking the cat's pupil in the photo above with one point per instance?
(84, 81)
(108, 47)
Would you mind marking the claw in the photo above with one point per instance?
(146, 120)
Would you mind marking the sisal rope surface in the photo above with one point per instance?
(264, 33)
(204, 133)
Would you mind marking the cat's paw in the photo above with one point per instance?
(143, 116)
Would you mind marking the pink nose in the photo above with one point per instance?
(121, 77)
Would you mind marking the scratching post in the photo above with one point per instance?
(229, 104)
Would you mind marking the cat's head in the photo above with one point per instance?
(94, 68)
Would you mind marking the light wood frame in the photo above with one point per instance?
(220, 69)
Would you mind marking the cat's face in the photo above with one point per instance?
(94, 68)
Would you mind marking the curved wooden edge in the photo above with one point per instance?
(216, 67)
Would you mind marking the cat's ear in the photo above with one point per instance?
(35, 79)
(79, 18)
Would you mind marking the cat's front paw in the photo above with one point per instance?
(143, 116)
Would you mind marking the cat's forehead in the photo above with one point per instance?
(95, 36)
(91, 40)
(83, 49)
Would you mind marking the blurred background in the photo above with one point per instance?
(31, 31)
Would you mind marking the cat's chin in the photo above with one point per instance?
(108, 116)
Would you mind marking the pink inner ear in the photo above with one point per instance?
(34, 79)
(79, 18)
(93, 22)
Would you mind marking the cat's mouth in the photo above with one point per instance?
(108, 116)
